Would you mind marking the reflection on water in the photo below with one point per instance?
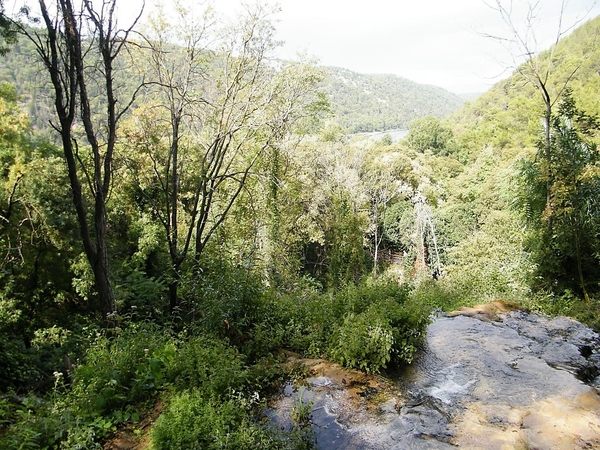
(395, 135)
(478, 384)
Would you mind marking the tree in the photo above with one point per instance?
(36, 241)
(428, 133)
(8, 31)
(161, 132)
(334, 221)
(15, 153)
(382, 187)
(221, 105)
(523, 43)
(569, 252)
(79, 48)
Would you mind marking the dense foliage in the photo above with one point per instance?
(376, 102)
(243, 223)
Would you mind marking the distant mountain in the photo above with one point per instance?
(360, 103)
(381, 102)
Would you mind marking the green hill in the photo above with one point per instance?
(22, 68)
(359, 102)
(509, 114)
(381, 102)
(493, 215)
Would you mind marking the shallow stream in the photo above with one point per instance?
(515, 381)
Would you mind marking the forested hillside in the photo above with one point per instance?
(544, 183)
(376, 102)
(194, 213)
(358, 102)
(508, 115)
(22, 69)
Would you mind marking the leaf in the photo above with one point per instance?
(156, 366)
(99, 402)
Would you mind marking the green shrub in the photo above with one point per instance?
(440, 294)
(567, 304)
(122, 370)
(144, 296)
(263, 339)
(365, 326)
(588, 313)
(17, 363)
(209, 365)
(364, 341)
(27, 424)
(224, 299)
(193, 422)
(358, 298)
(28, 359)
(409, 322)
(380, 326)
(309, 323)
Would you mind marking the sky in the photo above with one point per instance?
(435, 42)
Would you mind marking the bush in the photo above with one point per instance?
(27, 423)
(365, 326)
(364, 341)
(207, 364)
(224, 299)
(308, 323)
(122, 370)
(387, 332)
(439, 294)
(144, 296)
(568, 304)
(194, 422)
(17, 363)
(358, 298)
(28, 359)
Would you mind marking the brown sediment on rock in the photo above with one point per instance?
(368, 390)
(488, 312)
(554, 422)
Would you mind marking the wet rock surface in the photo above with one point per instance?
(514, 383)
(522, 381)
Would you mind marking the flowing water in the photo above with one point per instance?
(522, 381)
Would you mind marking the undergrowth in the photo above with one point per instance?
(213, 374)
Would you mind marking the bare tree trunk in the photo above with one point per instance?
(100, 260)
(173, 294)
(61, 50)
(548, 153)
